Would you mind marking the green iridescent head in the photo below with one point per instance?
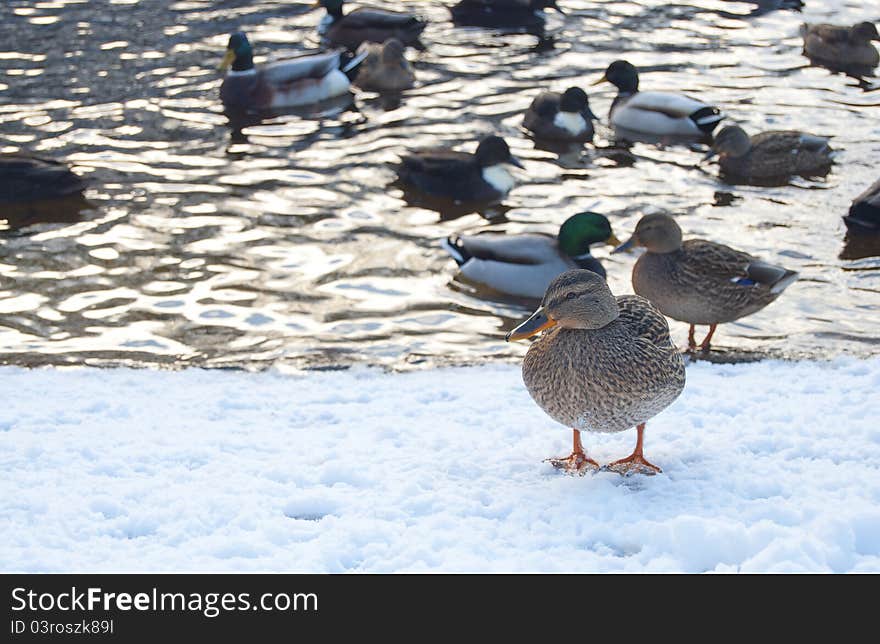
(580, 231)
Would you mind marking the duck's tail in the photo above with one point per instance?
(455, 247)
(707, 118)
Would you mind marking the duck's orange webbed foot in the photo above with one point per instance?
(577, 462)
(635, 463)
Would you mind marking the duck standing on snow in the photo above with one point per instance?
(524, 265)
(655, 113)
(770, 155)
(349, 30)
(481, 176)
(25, 178)
(502, 13)
(561, 117)
(699, 281)
(864, 213)
(605, 364)
(287, 83)
(385, 68)
(841, 47)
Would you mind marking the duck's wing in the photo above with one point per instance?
(644, 320)
(705, 259)
(294, 69)
(380, 19)
(787, 142)
(545, 105)
(529, 248)
(672, 105)
(439, 162)
(826, 32)
(865, 209)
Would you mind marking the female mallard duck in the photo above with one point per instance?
(287, 83)
(524, 265)
(368, 25)
(461, 176)
(864, 213)
(385, 68)
(605, 365)
(561, 117)
(699, 281)
(655, 113)
(840, 46)
(25, 178)
(770, 155)
(502, 13)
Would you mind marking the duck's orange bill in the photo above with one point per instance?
(534, 325)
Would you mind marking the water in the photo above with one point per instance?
(285, 244)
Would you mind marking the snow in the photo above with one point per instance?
(769, 466)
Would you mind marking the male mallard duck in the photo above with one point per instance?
(502, 13)
(385, 68)
(368, 25)
(459, 175)
(655, 113)
(561, 117)
(287, 83)
(699, 281)
(25, 178)
(864, 213)
(770, 154)
(841, 46)
(605, 365)
(523, 265)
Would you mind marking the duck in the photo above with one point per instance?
(461, 176)
(656, 113)
(561, 117)
(771, 154)
(26, 178)
(294, 82)
(604, 363)
(349, 30)
(524, 265)
(700, 281)
(508, 14)
(864, 213)
(842, 46)
(385, 68)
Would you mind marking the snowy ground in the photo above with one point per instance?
(768, 466)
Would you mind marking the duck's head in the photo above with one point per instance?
(392, 52)
(333, 7)
(658, 233)
(579, 231)
(731, 141)
(623, 75)
(239, 54)
(864, 32)
(576, 299)
(575, 100)
(493, 150)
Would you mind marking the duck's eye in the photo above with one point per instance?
(570, 296)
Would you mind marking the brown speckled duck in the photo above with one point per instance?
(605, 364)
(699, 281)
(385, 68)
(841, 46)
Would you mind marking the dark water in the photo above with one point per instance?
(286, 245)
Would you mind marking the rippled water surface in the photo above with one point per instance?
(284, 243)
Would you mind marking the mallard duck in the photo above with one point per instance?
(385, 68)
(287, 83)
(864, 213)
(459, 175)
(841, 46)
(368, 25)
(699, 281)
(770, 154)
(25, 178)
(561, 117)
(655, 113)
(605, 364)
(502, 13)
(523, 265)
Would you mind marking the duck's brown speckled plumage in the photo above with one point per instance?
(780, 154)
(608, 379)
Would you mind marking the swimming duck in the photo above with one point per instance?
(385, 68)
(699, 281)
(26, 178)
(864, 213)
(561, 117)
(605, 364)
(459, 175)
(770, 154)
(287, 83)
(655, 113)
(524, 265)
(502, 13)
(841, 46)
(368, 25)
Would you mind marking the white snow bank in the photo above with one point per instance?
(768, 466)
